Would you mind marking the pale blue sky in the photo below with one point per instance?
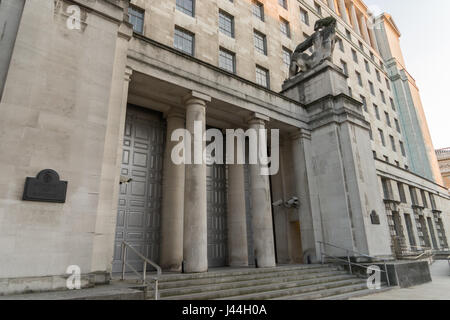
(425, 30)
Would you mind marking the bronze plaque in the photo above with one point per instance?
(46, 187)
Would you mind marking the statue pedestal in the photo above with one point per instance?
(340, 170)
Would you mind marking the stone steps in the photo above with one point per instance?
(286, 282)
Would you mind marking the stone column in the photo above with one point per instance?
(373, 38)
(365, 32)
(343, 11)
(172, 201)
(195, 215)
(354, 18)
(331, 5)
(261, 210)
(236, 218)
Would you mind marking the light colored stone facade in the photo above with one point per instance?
(443, 156)
(64, 107)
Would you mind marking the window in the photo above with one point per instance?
(386, 158)
(409, 228)
(262, 77)
(186, 6)
(304, 16)
(424, 199)
(372, 56)
(227, 60)
(341, 44)
(361, 46)
(355, 56)
(401, 192)
(136, 18)
(283, 3)
(284, 27)
(397, 163)
(184, 41)
(394, 148)
(260, 42)
(358, 75)
(318, 8)
(382, 137)
(364, 102)
(381, 65)
(372, 89)
(226, 23)
(287, 57)
(378, 75)
(388, 119)
(402, 148)
(377, 111)
(387, 188)
(397, 126)
(413, 194)
(348, 34)
(392, 103)
(371, 135)
(344, 67)
(388, 85)
(258, 10)
(433, 202)
(350, 91)
(367, 65)
(383, 97)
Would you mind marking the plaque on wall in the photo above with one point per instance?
(46, 187)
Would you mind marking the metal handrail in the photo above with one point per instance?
(348, 261)
(125, 246)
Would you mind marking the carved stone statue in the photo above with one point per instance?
(323, 41)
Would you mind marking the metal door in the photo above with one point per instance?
(138, 216)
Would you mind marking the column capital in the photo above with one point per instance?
(175, 113)
(300, 134)
(196, 96)
(258, 118)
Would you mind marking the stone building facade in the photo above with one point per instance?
(93, 89)
(443, 156)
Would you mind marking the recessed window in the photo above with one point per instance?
(377, 111)
(260, 42)
(392, 103)
(318, 8)
(394, 148)
(372, 88)
(287, 57)
(348, 34)
(359, 77)
(136, 18)
(364, 102)
(397, 125)
(258, 10)
(284, 28)
(226, 23)
(304, 16)
(383, 142)
(361, 46)
(402, 148)
(184, 41)
(227, 60)
(350, 91)
(355, 56)
(283, 3)
(383, 97)
(378, 75)
(262, 77)
(186, 6)
(388, 119)
(367, 66)
(401, 191)
(372, 56)
(388, 85)
(344, 67)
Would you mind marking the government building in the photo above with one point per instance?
(92, 90)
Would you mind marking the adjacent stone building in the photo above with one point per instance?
(443, 156)
(94, 89)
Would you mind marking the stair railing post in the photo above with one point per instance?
(124, 254)
(349, 263)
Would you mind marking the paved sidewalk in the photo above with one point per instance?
(438, 289)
